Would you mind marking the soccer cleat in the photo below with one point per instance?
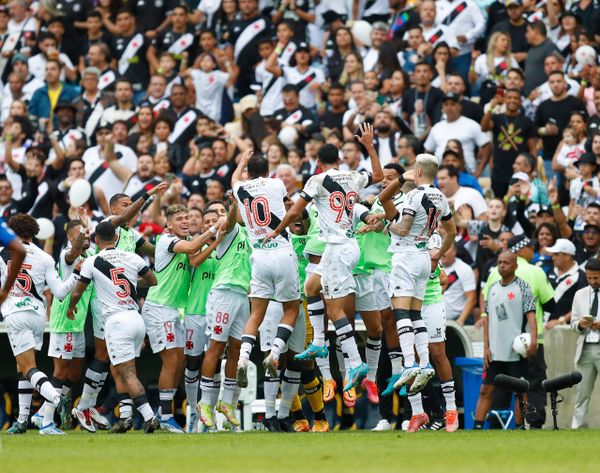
(171, 425)
(329, 386)
(232, 428)
(192, 425)
(272, 424)
(389, 390)
(451, 421)
(349, 396)
(18, 428)
(300, 425)
(312, 352)
(37, 419)
(242, 373)
(122, 426)
(437, 424)
(425, 374)
(403, 391)
(85, 419)
(285, 424)
(320, 426)
(206, 414)
(371, 388)
(417, 421)
(356, 375)
(51, 429)
(228, 410)
(270, 364)
(64, 410)
(407, 376)
(382, 426)
(98, 419)
(151, 425)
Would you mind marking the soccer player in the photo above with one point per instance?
(411, 266)
(334, 193)
(274, 265)
(25, 313)
(161, 309)
(115, 274)
(227, 310)
(67, 340)
(194, 323)
(123, 211)
(13, 246)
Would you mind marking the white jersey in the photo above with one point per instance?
(37, 272)
(334, 193)
(427, 205)
(114, 274)
(262, 208)
(304, 81)
(100, 175)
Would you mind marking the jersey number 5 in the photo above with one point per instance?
(252, 212)
(23, 281)
(116, 274)
(341, 203)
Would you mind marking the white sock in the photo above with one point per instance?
(345, 334)
(406, 335)
(316, 313)
(207, 385)
(125, 406)
(324, 367)
(416, 403)
(49, 411)
(248, 342)
(40, 381)
(25, 389)
(449, 393)
(271, 389)
(421, 340)
(191, 387)
(290, 382)
(284, 332)
(395, 359)
(372, 353)
(229, 385)
(143, 407)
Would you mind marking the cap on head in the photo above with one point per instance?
(562, 245)
(517, 243)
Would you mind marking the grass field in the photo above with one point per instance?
(481, 452)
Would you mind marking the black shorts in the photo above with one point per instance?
(517, 369)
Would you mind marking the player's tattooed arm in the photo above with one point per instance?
(75, 297)
(133, 209)
(403, 227)
(290, 216)
(387, 199)
(195, 244)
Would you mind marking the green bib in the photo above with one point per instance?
(233, 269)
(202, 281)
(433, 290)
(126, 240)
(299, 245)
(314, 246)
(173, 282)
(59, 323)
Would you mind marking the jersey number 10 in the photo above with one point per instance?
(252, 212)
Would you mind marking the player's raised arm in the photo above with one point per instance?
(237, 174)
(366, 139)
(450, 235)
(293, 214)
(193, 246)
(133, 209)
(387, 199)
(58, 287)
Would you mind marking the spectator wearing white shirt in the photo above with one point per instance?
(447, 182)
(460, 296)
(49, 50)
(467, 131)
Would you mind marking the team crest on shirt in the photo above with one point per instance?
(511, 296)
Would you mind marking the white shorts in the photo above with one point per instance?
(195, 335)
(67, 345)
(227, 313)
(125, 333)
(268, 329)
(365, 294)
(275, 275)
(25, 331)
(381, 282)
(97, 318)
(410, 273)
(314, 268)
(163, 326)
(338, 264)
(434, 316)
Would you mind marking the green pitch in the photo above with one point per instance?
(481, 452)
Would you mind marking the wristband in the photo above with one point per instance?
(213, 230)
(556, 206)
(542, 131)
(401, 180)
(278, 50)
(145, 196)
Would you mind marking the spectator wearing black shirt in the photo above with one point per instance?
(336, 107)
(516, 26)
(423, 90)
(552, 116)
(513, 133)
(154, 15)
(456, 84)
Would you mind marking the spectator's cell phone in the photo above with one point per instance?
(473, 227)
(513, 181)
(169, 178)
(500, 91)
(589, 318)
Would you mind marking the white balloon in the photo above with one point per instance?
(361, 31)
(585, 55)
(288, 136)
(80, 192)
(46, 229)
